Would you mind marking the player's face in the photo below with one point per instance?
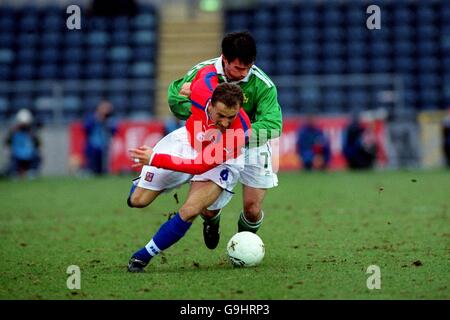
(235, 70)
(221, 115)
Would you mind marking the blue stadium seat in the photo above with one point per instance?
(141, 102)
(7, 24)
(120, 23)
(49, 71)
(72, 103)
(97, 55)
(404, 48)
(145, 53)
(263, 34)
(357, 49)
(333, 66)
(49, 55)
(72, 71)
(120, 102)
(24, 72)
(428, 64)
(98, 23)
(74, 39)
(332, 49)
(28, 40)
(239, 21)
(29, 22)
(404, 64)
(263, 17)
(51, 39)
(72, 55)
(143, 38)
(120, 38)
(26, 55)
(308, 66)
(90, 101)
(52, 21)
(380, 65)
(6, 40)
(286, 50)
(22, 101)
(98, 38)
(308, 34)
(286, 16)
(144, 21)
(121, 53)
(6, 56)
(95, 71)
(119, 70)
(287, 66)
(6, 71)
(357, 65)
(142, 70)
(308, 49)
(286, 34)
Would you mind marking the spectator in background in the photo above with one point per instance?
(23, 144)
(313, 146)
(359, 145)
(99, 128)
(446, 138)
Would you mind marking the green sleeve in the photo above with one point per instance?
(179, 105)
(268, 118)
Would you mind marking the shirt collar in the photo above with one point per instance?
(219, 67)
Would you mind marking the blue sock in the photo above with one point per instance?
(142, 254)
(168, 234)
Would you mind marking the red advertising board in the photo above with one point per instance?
(133, 134)
(130, 134)
(333, 128)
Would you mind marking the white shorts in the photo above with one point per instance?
(176, 143)
(258, 169)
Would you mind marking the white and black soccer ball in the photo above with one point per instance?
(245, 249)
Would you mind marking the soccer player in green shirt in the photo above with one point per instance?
(236, 65)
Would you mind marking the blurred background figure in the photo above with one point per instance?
(446, 138)
(99, 128)
(23, 144)
(359, 146)
(313, 146)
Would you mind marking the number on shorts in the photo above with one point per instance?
(224, 174)
(266, 159)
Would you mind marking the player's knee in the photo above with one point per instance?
(137, 201)
(252, 210)
(189, 212)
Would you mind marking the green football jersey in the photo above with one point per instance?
(260, 99)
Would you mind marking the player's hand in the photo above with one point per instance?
(140, 156)
(186, 90)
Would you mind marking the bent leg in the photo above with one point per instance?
(201, 195)
(252, 216)
(140, 197)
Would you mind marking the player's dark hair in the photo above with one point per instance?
(240, 45)
(229, 94)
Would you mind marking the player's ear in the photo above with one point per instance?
(224, 59)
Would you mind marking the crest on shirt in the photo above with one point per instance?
(149, 176)
(245, 98)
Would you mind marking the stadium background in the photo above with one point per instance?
(320, 54)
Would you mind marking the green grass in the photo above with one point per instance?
(321, 232)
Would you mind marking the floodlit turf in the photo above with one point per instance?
(322, 231)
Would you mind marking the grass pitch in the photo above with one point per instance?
(322, 231)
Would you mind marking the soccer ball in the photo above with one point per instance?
(245, 249)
